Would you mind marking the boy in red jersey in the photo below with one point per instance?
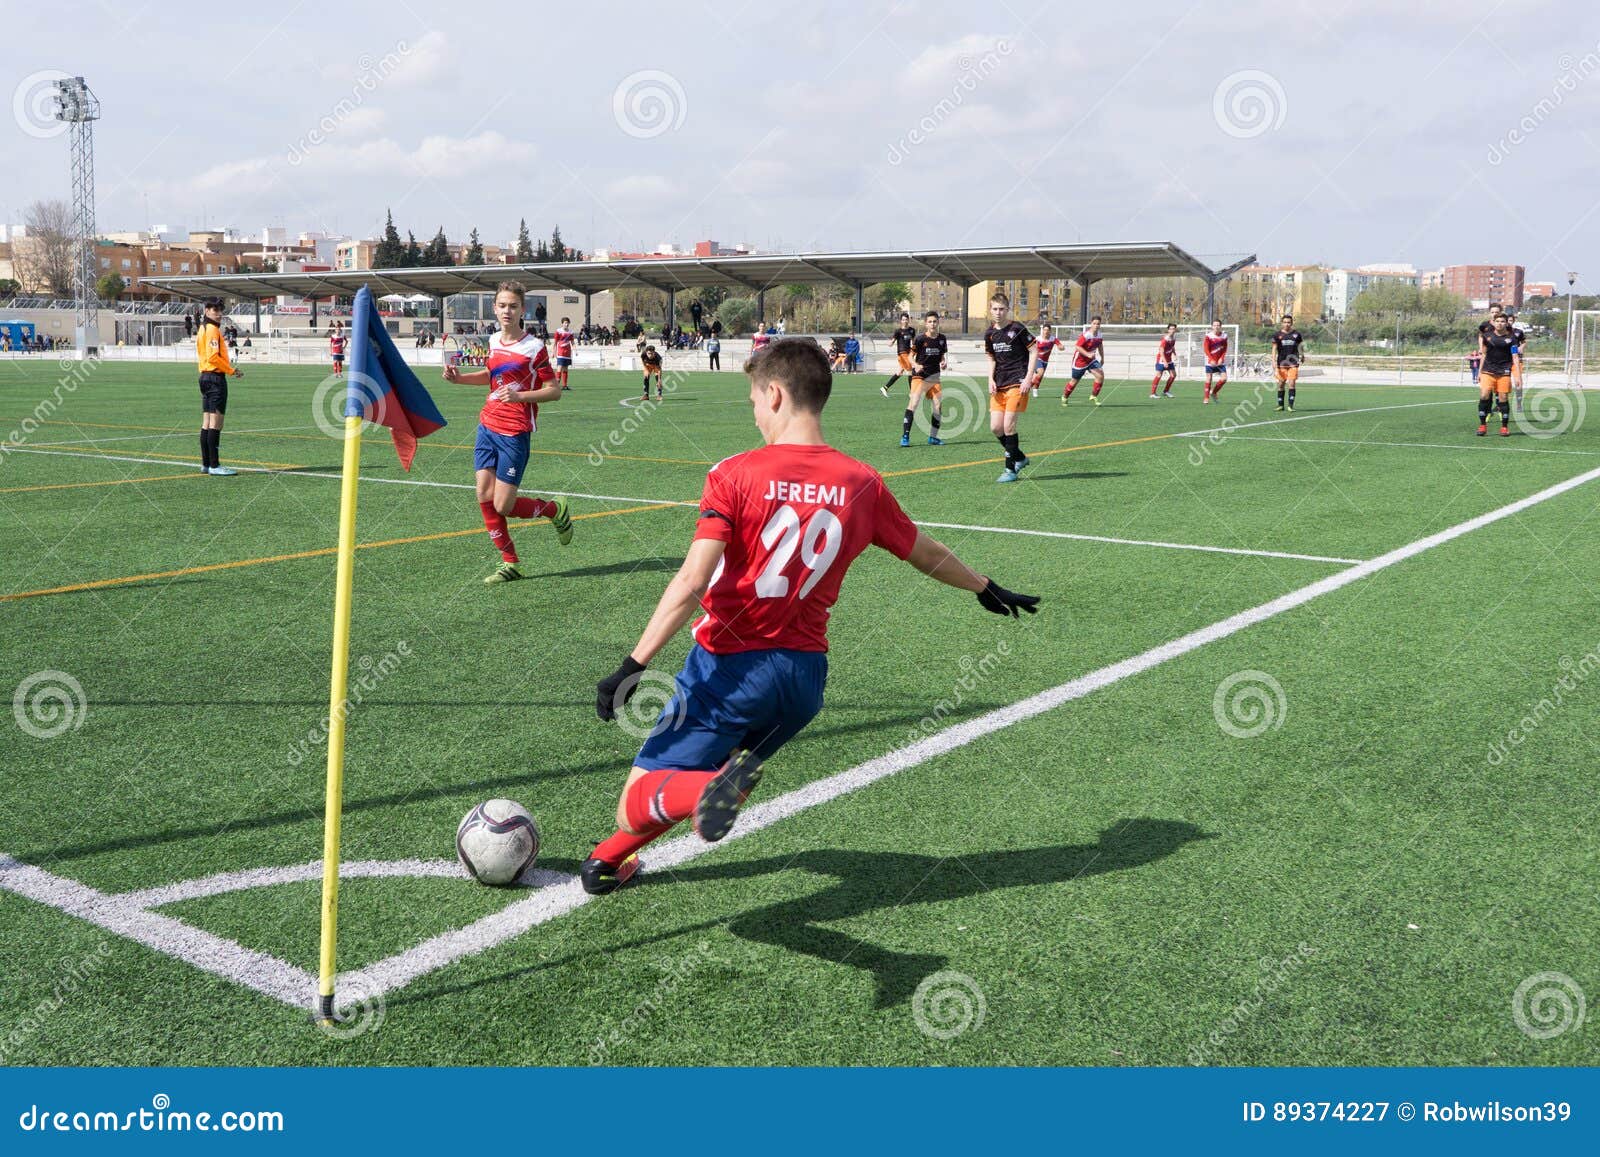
(1166, 361)
(336, 347)
(1216, 350)
(1042, 349)
(1086, 360)
(778, 527)
(517, 369)
(563, 339)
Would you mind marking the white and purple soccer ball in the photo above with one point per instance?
(497, 841)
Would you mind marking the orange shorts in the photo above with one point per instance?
(1494, 383)
(930, 388)
(1288, 373)
(905, 362)
(1012, 399)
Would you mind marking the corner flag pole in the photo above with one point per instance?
(338, 705)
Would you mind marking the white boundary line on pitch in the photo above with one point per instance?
(156, 436)
(1474, 447)
(337, 477)
(1142, 542)
(1314, 417)
(295, 986)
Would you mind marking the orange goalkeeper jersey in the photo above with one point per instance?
(211, 351)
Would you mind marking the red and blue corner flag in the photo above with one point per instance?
(383, 389)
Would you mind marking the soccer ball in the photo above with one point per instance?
(497, 841)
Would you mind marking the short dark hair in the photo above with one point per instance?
(212, 303)
(907, 316)
(800, 365)
(1098, 318)
(1287, 317)
(515, 287)
(565, 320)
(933, 313)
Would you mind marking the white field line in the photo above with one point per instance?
(158, 436)
(1229, 429)
(1141, 542)
(337, 477)
(547, 904)
(1475, 447)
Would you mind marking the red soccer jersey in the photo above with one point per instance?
(794, 518)
(336, 344)
(1085, 350)
(1216, 349)
(760, 342)
(563, 343)
(1044, 347)
(1165, 349)
(523, 365)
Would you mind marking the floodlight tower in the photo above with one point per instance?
(79, 108)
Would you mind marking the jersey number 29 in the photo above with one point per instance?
(818, 545)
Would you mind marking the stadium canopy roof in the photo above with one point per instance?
(752, 273)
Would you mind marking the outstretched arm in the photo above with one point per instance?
(936, 560)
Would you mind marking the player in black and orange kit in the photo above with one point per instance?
(651, 360)
(1502, 362)
(1288, 352)
(903, 337)
(1166, 361)
(1012, 363)
(929, 350)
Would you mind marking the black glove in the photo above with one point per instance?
(996, 598)
(617, 688)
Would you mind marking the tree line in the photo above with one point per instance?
(393, 253)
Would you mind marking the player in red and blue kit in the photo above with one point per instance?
(778, 527)
(336, 347)
(517, 371)
(1166, 361)
(1086, 360)
(1216, 353)
(1042, 349)
(563, 339)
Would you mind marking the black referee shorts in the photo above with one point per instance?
(214, 393)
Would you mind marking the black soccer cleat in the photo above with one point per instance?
(720, 800)
(599, 877)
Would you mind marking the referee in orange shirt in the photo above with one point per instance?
(211, 351)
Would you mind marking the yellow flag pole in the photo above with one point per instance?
(338, 708)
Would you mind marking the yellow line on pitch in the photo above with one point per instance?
(195, 473)
(301, 554)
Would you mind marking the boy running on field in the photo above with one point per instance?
(1166, 361)
(1010, 348)
(516, 372)
(904, 336)
(1086, 360)
(1042, 349)
(564, 339)
(929, 350)
(778, 528)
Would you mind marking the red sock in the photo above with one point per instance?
(1095, 392)
(623, 844)
(664, 797)
(1067, 393)
(1155, 381)
(499, 535)
(533, 508)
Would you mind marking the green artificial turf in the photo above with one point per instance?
(1116, 881)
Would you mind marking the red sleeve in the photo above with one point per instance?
(893, 529)
(542, 372)
(716, 507)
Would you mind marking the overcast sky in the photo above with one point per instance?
(1428, 131)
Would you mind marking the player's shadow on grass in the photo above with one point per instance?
(1077, 474)
(868, 882)
(639, 566)
(872, 881)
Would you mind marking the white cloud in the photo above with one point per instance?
(429, 59)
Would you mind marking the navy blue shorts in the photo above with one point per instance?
(757, 700)
(1165, 367)
(1219, 368)
(505, 454)
(563, 363)
(1079, 371)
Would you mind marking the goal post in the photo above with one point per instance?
(1583, 349)
(1129, 349)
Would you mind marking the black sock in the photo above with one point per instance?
(205, 448)
(1291, 396)
(935, 423)
(1505, 411)
(905, 424)
(1014, 452)
(891, 381)
(1005, 444)
(216, 446)
(1280, 395)
(1484, 405)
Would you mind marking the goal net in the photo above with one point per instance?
(1129, 350)
(1583, 349)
